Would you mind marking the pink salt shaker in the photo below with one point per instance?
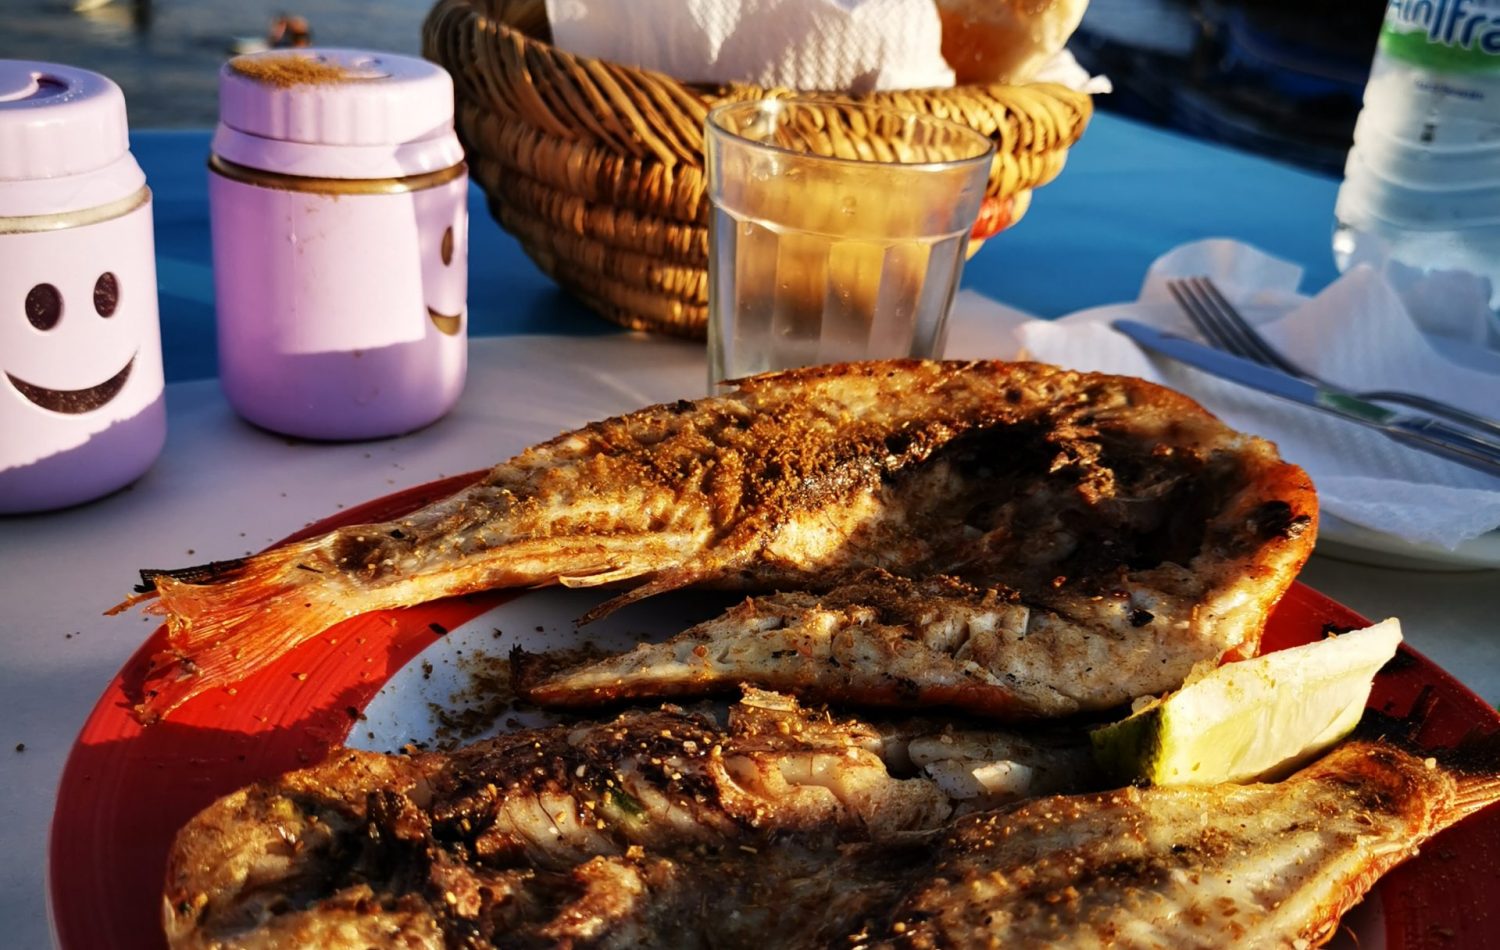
(81, 408)
(337, 193)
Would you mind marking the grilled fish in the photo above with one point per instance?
(889, 641)
(377, 850)
(1015, 474)
(1272, 865)
(659, 830)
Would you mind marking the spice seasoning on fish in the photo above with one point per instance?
(1003, 474)
(614, 834)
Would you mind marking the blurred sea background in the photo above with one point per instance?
(166, 54)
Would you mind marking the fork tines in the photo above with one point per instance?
(1220, 324)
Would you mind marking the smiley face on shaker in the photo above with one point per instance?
(50, 383)
(445, 275)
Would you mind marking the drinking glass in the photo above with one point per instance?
(837, 232)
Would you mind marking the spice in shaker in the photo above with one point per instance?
(337, 195)
(81, 406)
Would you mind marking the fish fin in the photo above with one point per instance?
(140, 597)
(662, 583)
(1475, 764)
(1474, 794)
(211, 573)
(235, 622)
(650, 670)
(1473, 761)
(214, 572)
(599, 575)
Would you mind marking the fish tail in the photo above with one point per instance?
(1474, 794)
(1475, 765)
(1473, 762)
(214, 572)
(226, 620)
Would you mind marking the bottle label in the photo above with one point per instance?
(1453, 36)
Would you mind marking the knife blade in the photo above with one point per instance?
(1419, 432)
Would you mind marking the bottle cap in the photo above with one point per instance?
(57, 121)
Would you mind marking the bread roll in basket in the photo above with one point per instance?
(597, 168)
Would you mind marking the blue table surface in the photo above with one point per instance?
(1128, 194)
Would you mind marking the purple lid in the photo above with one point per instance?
(57, 121)
(335, 97)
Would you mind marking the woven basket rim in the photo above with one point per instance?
(597, 168)
(706, 95)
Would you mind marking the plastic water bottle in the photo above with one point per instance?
(1421, 192)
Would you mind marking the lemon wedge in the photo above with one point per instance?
(1247, 720)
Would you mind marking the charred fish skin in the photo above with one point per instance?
(588, 835)
(256, 859)
(672, 493)
(444, 849)
(1271, 865)
(1078, 592)
(390, 851)
(801, 479)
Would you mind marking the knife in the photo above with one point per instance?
(1419, 432)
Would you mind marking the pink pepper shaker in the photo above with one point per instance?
(81, 407)
(337, 193)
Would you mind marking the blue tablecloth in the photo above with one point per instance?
(1129, 193)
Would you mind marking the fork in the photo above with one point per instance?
(1224, 327)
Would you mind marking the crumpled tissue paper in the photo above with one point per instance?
(835, 45)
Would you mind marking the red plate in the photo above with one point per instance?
(126, 790)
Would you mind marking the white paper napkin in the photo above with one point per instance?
(1356, 333)
(842, 45)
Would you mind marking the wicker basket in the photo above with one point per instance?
(597, 168)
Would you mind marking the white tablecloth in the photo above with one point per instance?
(223, 488)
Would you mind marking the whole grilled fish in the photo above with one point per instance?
(1006, 473)
(659, 830)
(889, 641)
(479, 844)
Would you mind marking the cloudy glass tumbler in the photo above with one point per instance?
(838, 232)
